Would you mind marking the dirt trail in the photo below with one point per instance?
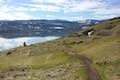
(92, 73)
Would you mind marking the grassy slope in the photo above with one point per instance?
(48, 61)
(103, 48)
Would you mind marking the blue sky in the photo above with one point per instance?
(59, 9)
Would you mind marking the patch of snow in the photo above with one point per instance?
(59, 24)
(57, 28)
(85, 27)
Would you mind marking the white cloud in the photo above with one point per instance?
(5, 8)
(50, 16)
(105, 16)
(70, 18)
(9, 12)
(48, 8)
(15, 16)
(16, 42)
(107, 11)
(83, 6)
(1, 1)
(51, 1)
(25, 9)
(67, 5)
(74, 18)
(41, 7)
(22, 10)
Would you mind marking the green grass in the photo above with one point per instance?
(35, 62)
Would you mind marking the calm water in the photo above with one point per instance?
(15, 42)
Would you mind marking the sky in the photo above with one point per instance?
(71, 10)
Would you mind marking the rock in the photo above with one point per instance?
(8, 53)
(24, 44)
(2, 76)
(118, 74)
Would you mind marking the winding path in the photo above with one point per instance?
(92, 73)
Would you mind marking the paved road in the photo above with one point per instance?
(92, 73)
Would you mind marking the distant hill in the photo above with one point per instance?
(30, 28)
